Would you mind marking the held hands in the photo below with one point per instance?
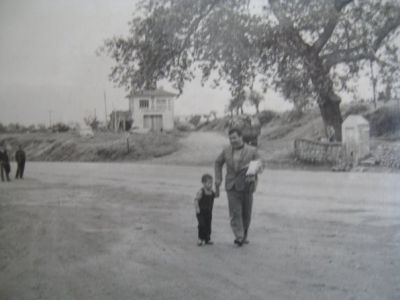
(216, 190)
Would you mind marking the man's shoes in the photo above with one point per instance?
(246, 241)
(238, 243)
(200, 243)
(209, 243)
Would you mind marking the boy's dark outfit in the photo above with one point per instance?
(206, 202)
(20, 158)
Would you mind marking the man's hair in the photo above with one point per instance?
(237, 130)
(206, 177)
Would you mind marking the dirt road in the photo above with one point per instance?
(198, 148)
(128, 231)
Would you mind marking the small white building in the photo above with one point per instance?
(152, 109)
(355, 133)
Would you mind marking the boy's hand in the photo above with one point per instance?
(197, 211)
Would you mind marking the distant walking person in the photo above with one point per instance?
(242, 166)
(20, 158)
(203, 203)
(5, 165)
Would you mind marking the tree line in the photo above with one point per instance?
(308, 50)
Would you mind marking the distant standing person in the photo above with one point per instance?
(20, 158)
(203, 203)
(239, 183)
(5, 165)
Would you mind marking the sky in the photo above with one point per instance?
(49, 70)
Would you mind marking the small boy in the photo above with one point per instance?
(203, 203)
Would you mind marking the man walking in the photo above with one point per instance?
(239, 184)
(5, 165)
(20, 158)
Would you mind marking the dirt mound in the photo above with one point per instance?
(103, 146)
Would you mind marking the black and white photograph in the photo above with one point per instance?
(200, 149)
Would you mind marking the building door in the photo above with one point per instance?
(153, 122)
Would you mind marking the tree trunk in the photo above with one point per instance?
(328, 101)
(331, 115)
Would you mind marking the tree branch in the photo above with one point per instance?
(287, 25)
(363, 51)
(391, 24)
(340, 4)
(195, 25)
(278, 12)
(343, 55)
(330, 25)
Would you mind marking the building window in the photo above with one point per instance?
(161, 104)
(144, 104)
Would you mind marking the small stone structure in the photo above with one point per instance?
(355, 133)
(318, 152)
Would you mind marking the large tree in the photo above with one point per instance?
(307, 49)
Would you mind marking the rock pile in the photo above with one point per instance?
(388, 155)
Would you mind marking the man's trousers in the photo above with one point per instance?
(5, 171)
(240, 206)
(20, 170)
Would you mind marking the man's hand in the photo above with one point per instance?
(217, 190)
(250, 178)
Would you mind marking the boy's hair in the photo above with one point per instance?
(235, 129)
(206, 177)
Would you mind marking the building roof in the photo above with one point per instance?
(355, 119)
(152, 93)
(126, 113)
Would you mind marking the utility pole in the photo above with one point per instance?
(50, 113)
(374, 81)
(105, 107)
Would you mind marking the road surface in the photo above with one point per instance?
(128, 231)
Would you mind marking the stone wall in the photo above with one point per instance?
(318, 152)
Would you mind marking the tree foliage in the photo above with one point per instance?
(255, 98)
(306, 49)
(91, 121)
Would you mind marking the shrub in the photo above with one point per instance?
(356, 109)
(195, 120)
(60, 127)
(266, 116)
(3, 129)
(41, 127)
(184, 126)
(385, 120)
(15, 128)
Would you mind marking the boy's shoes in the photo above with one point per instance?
(209, 243)
(246, 241)
(238, 243)
(200, 243)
